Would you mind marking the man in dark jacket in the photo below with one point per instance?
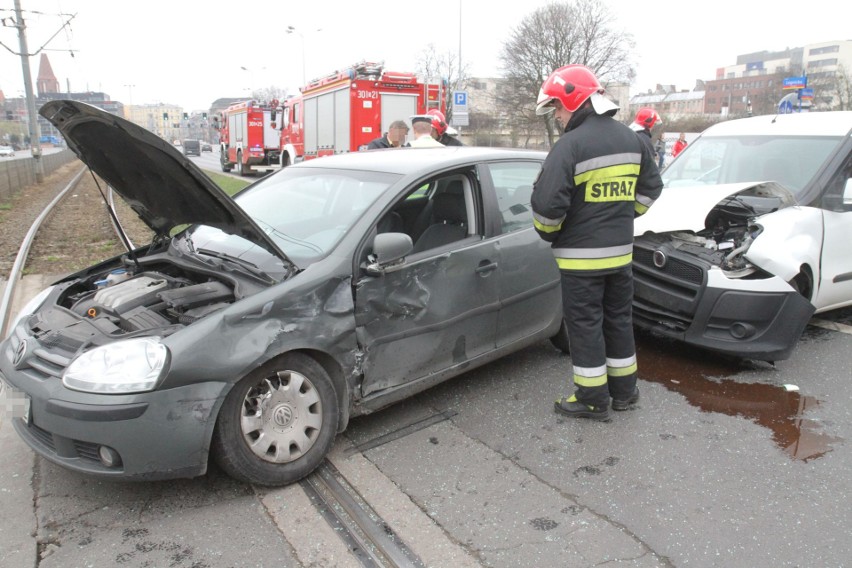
(397, 131)
(597, 177)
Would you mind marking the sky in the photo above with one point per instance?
(191, 52)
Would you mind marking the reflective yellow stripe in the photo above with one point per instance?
(639, 208)
(622, 371)
(609, 171)
(594, 263)
(582, 381)
(546, 228)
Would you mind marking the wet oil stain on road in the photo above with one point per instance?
(700, 378)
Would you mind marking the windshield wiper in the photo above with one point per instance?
(247, 266)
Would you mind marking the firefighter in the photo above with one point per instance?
(397, 131)
(439, 129)
(644, 122)
(595, 180)
(421, 124)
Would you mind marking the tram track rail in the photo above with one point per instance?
(17, 271)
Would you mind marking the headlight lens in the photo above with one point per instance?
(123, 367)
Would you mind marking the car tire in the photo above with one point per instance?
(560, 340)
(278, 423)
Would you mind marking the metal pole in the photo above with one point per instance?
(35, 133)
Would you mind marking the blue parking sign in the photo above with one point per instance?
(459, 98)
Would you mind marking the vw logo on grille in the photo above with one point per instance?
(660, 258)
(20, 351)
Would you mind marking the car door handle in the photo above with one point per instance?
(486, 267)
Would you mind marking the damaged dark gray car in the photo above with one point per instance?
(252, 329)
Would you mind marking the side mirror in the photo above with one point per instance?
(388, 249)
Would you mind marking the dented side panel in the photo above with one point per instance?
(311, 311)
(426, 316)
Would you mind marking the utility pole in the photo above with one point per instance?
(35, 133)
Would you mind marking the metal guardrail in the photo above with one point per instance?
(20, 172)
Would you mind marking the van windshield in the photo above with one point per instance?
(791, 161)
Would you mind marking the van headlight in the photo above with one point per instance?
(123, 367)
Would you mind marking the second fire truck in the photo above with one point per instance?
(250, 137)
(345, 110)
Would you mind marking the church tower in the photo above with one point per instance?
(46, 82)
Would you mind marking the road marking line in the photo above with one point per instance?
(833, 326)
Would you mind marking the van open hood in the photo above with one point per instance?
(687, 208)
(162, 186)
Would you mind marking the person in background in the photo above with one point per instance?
(597, 177)
(660, 149)
(439, 129)
(397, 131)
(679, 145)
(645, 120)
(421, 124)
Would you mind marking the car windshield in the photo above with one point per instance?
(307, 211)
(791, 161)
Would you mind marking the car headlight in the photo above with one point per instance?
(30, 308)
(123, 367)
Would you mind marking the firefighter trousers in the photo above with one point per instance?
(599, 318)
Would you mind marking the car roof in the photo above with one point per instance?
(419, 161)
(835, 123)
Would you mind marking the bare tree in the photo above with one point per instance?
(833, 91)
(580, 31)
(444, 66)
(268, 94)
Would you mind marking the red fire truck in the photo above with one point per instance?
(249, 137)
(345, 110)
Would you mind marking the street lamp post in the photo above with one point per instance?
(250, 71)
(292, 30)
(129, 113)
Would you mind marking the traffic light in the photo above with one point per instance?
(186, 116)
(165, 116)
(203, 116)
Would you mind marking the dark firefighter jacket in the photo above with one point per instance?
(596, 179)
(448, 140)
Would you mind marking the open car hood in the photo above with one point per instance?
(685, 208)
(162, 186)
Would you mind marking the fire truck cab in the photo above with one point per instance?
(345, 110)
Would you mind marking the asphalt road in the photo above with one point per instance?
(722, 463)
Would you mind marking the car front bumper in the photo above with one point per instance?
(163, 434)
(757, 319)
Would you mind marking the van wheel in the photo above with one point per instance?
(278, 423)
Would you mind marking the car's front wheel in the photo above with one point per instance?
(278, 423)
